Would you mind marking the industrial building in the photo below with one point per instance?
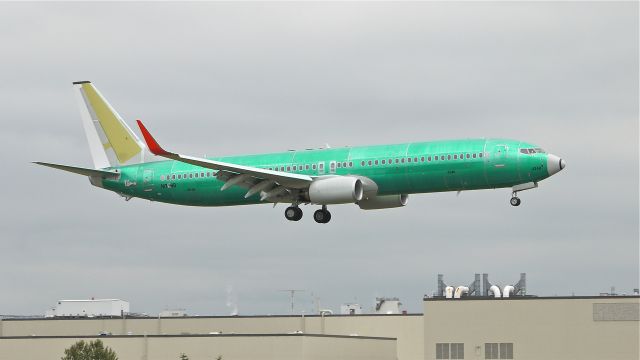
(480, 320)
(595, 327)
(89, 308)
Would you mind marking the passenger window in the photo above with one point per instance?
(288, 168)
(390, 161)
(208, 174)
(362, 163)
(350, 163)
(281, 168)
(196, 175)
(415, 159)
(441, 157)
(448, 157)
(339, 165)
(191, 176)
(344, 164)
(474, 155)
(397, 161)
(295, 167)
(173, 177)
(384, 161)
(429, 158)
(314, 166)
(422, 159)
(455, 157)
(306, 167)
(480, 155)
(179, 176)
(408, 159)
(369, 162)
(468, 156)
(376, 162)
(402, 160)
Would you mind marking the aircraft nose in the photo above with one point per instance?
(554, 164)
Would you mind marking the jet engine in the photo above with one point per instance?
(335, 190)
(384, 202)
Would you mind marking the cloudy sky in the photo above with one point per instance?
(222, 79)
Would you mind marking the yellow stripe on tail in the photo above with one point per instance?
(111, 141)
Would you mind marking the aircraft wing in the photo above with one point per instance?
(256, 178)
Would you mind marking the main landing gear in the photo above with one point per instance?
(293, 213)
(515, 200)
(322, 216)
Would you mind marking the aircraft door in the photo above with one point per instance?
(321, 168)
(496, 165)
(147, 180)
(500, 153)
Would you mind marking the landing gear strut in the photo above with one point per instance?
(515, 200)
(322, 216)
(293, 213)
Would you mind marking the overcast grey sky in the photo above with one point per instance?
(221, 79)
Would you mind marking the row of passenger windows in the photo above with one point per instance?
(415, 159)
(306, 167)
(343, 164)
(181, 176)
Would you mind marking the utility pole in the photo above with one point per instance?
(293, 293)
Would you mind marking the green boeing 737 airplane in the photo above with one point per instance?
(373, 177)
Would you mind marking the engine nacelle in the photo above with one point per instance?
(335, 190)
(384, 202)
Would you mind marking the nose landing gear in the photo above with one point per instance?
(515, 201)
(322, 216)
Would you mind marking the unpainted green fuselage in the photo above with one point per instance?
(485, 164)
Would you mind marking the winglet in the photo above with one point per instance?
(153, 145)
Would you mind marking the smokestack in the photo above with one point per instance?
(485, 284)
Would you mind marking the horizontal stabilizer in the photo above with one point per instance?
(82, 171)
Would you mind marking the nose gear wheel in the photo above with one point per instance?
(515, 200)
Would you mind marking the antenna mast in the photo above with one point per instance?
(293, 293)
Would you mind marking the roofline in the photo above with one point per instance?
(92, 300)
(193, 336)
(471, 298)
(137, 317)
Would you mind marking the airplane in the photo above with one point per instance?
(372, 177)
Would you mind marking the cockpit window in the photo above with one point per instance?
(532, 151)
